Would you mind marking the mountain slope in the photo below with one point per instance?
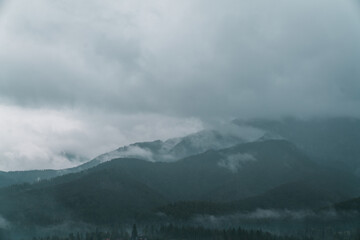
(131, 188)
(224, 175)
(172, 149)
(316, 191)
(266, 174)
(18, 177)
(348, 205)
(332, 141)
(262, 166)
(103, 195)
(321, 190)
(155, 151)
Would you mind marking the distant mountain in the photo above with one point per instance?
(18, 177)
(214, 171)
(156, 151)
(132, 188)
(100, 195)
(259, 167)
(331, 141)
(223, 175)
(314, 192)
(175, 148)
(318, 190)
(5, 180)
(352, 205)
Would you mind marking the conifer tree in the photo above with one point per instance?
(134, 233)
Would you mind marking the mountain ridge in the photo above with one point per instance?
(126, 188)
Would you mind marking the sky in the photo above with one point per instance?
(84, 77)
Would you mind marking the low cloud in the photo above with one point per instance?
(265, 215)
(236, 161)
(38, 138)
(128, 152)
(246, 133)
(4, 223)
(189, 58)
(278, 214)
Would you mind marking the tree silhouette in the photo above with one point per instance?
(134, 233)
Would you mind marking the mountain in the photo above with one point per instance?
(224, 175)
(5, 180)
(18, 177)
(132, 188)
(99, 195)
(352, 205)
(316, 191)
(330, 141)
(260, 166)
(155, 151)
(175, 148)
(211, 170)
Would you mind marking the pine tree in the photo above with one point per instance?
(134, 233)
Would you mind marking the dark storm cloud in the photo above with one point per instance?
(192, 58)
(172, 61)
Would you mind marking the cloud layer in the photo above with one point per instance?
(174, 60)
(185, 58)
(43, 138)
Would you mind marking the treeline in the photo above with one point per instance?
(174, 232)
(200, 233)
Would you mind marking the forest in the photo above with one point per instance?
(178, 232)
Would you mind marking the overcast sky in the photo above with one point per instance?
(87, 76)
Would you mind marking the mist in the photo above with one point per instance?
(4, 223)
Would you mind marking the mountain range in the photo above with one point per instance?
(329, 141)
(287, 164)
